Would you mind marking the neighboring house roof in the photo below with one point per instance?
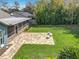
(4, 14)
(22, 14)
(13, 20)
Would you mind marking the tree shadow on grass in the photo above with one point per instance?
(74, 30)
(69, 29)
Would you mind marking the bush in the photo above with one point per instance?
(69, 53)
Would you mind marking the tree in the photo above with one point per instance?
(55, 12)
(16, 5)
(29, 8)
(46, 11)
(72, 7)
(42, 12)
(56, 3)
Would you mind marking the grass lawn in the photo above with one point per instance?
(63, 36)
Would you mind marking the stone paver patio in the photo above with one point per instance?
(37, 38)
(26, 38)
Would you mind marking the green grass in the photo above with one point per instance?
(34, 52)
(63, 36)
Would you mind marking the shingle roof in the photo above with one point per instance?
(13, 20)
(4, 14)
(22, 14)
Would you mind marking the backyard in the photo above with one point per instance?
(39, 29)
(64, 35)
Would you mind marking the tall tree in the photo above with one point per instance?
(29, 8)
(56, 3)
(16, 5)
(72, 7)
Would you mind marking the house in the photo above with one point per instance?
(10, 26)
(22, 14)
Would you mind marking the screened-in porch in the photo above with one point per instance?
(10, 27)
(14, 29)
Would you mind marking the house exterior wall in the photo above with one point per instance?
(3, 29)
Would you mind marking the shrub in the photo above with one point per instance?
(69, 53)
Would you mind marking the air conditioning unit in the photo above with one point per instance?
(2, 45)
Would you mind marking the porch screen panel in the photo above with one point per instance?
(19, 26)
(10, 31)
(24, 23)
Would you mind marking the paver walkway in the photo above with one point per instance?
(26, 38)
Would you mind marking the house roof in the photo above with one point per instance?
(22, 14)
(13, 20)
(4, 14)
